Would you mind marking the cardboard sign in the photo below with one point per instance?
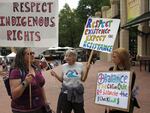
(26, 23)
(113, 89)
(100, 34)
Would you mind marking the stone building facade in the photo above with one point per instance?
(121, 9)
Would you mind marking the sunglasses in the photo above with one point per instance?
(31, 53)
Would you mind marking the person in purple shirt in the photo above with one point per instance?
(23, 75)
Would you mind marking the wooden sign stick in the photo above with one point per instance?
(97, 14)
(30, 89)
(88, 64)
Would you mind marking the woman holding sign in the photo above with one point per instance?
(121, 60)
(71, 96)
(23, 75)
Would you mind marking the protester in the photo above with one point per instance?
(23, 75)
(121, 60)
(71, 95)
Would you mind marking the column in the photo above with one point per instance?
(104, 11)
(115, 12)
(114, 7)
(98, 14)
(104, 15)
(124, 34)
(143, 40)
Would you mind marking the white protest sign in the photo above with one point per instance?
(29, 23)
(113, 89)
(100, 34)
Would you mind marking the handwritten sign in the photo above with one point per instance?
(26, 23)
(100, 34)
(113, 89)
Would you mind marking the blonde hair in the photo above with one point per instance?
(124, 57)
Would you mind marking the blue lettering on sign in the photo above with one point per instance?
(112, 78)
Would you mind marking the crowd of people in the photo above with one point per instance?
(27, 82)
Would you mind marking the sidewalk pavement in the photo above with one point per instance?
(53, 86)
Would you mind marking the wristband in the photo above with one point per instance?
(24, 83)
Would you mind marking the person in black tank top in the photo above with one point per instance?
(121, 60)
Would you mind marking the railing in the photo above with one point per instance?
(144, 60)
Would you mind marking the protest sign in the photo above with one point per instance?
(100, 34)
(26, 23)
(113, 89)
(29, 23)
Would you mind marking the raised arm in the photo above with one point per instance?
(56, 76)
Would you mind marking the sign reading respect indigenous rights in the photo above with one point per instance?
(27, 23)
(113, 89)
(100, 34)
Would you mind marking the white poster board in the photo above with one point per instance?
(113, 89)
(29, 23)
(100, 34)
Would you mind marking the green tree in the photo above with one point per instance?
(71, 22)
(88, 8)
(68, 24)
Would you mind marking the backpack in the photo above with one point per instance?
(6, 81)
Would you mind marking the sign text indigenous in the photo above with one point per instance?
(100, 34)
(29, 23)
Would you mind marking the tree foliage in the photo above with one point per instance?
(68, 25)
(71, 22)
(88, 8)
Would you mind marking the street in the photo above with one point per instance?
(52, 88)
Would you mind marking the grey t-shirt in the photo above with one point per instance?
(72, 74)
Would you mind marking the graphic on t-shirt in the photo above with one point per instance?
(72, 73)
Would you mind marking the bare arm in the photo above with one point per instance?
(56, 75)
(16, 86)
